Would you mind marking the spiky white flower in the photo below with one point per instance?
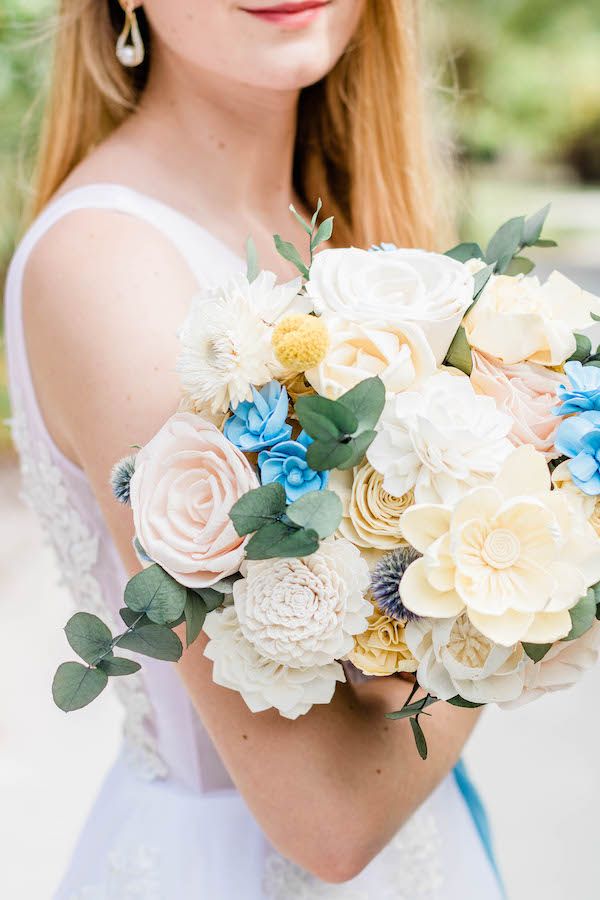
(226, 340)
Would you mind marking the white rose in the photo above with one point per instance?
(263, 683)
(439, 440)
(397, 352)
(394, 286)
(455, 658)
(562, 666)
(517, 318)
(304, 612)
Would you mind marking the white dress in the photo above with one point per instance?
(168, 823)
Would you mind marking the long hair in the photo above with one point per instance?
(362, 141)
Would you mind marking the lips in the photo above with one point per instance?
(289, 15)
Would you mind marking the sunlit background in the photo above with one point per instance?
(520, 81)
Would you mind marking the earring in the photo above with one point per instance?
(132, 54)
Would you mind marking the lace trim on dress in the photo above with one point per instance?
(76, 548)
(408, 868)
(132, 874)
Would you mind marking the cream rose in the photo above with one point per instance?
(304, 612)
(371, 516)
(527, 393)
(396, 287)
(381, 649)
(398, 353)
(517, 319)
(455, 658)
(514, 555)
(186, 480)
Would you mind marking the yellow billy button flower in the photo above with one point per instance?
(300, 342)
(382, 649)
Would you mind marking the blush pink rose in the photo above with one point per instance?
(186, 480)
(527, 393)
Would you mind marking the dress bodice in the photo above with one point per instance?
(163, 734)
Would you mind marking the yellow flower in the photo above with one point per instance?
(381, 649)
(300, 342)
(371, 515)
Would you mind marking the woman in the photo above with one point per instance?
(152, 172)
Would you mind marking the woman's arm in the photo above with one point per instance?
(104, 296)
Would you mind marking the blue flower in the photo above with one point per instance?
(262, 422)
(383, 246)
(385, 583)
(579, 438)
(584, 391)
(286, 464)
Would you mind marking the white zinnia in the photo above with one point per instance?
(440, 440)
(304, 612)
(263, 683)
(455, 658)
(394, 286)
(226, 340)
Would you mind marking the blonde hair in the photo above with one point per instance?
(362, 140)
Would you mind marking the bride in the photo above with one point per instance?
(161, 152)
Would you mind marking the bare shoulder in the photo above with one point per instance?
(104, 295)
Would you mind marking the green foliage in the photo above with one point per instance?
(289, 252)
(257, 508)
(195, 613)
(252, 267)
(157, 641)
(536, 652)
(282, 540)
(320, 511)
(76, 685)
(583, 349)
(155, 593)
(459, 352)
(582, 616)
(465, 704)
(88, 636)
(118, 665)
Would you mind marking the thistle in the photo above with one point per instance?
(120, 478)
(385, 583)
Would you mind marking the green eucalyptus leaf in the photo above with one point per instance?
(132, 618)
(252, 267)
(320, 511)
(366, 401)
(75, 685)
(88, 636)
(315, 215)
(583, 348)
(464, 252)
(533, 227)
(520, 265)
(195, 614)
(154, 592)
(411, 709)
(323, 233)
(289, 252)
(118, 665)
(582, 615)
(212, 599)
(536, 652)
(595, 317)
(280, 540)
(358, 446)
(480, 279)
(544, 243)
(505, 243)
(301, 221)
(459, 352)
(322, 456)
(465, 704)
(322, 418)
(153, 640)
(419, 737)
(257, 508)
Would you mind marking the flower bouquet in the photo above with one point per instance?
(390, 464)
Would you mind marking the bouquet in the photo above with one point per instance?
(390, 463)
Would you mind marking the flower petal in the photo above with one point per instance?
(505, 629)
(421, 598)
(548, 627)
(423, 524)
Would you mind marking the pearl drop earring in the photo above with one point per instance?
(130, 54)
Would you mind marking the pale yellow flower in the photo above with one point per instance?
(300, 342)
(515, 555)
(371, 515)
(381, 649)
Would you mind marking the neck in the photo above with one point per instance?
(234, 143)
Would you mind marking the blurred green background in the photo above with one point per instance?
(520, 82)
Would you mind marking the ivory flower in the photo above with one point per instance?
(398, 353)
(455, 658)
(304, 612)
(588, 505)
(264, 683)
(186, 480)
(381, 649)
(527, 393)
(517, 318)
(395, 287)
(371, 516)
(514, 555)
(439, 440)
(562, 666)
(226, 340)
